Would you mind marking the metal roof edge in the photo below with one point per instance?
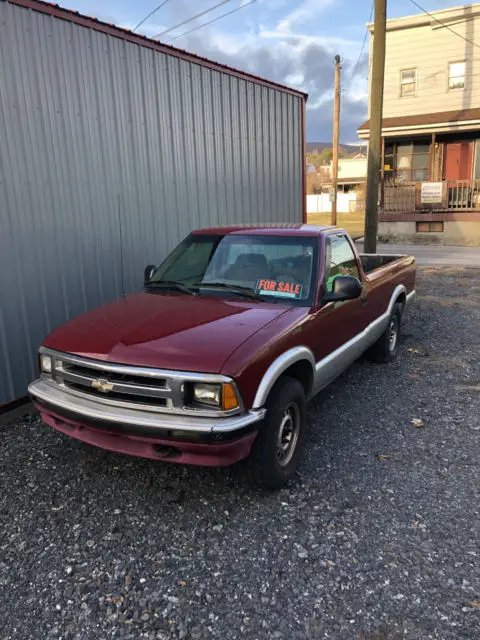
(445, 16)
(69, 15)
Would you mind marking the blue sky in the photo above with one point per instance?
(292, 42)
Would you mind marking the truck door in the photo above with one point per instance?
(336, 324)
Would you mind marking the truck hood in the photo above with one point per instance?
(166, 331)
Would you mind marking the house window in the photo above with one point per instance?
(430, 227)
(407, 161)
(408, 82)
(456, 75)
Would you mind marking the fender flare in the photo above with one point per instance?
(397, 292)
(275, 370)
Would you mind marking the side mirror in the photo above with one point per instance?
(149, 271)
(344, 288)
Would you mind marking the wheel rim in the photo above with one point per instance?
(288, 434)
(393, 334)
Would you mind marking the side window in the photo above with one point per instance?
(340, 260)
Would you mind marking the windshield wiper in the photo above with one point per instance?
(246, 292)
(170, 284)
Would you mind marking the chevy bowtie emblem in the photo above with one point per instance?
(102, 385)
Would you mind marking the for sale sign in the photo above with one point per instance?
(431, 193)
(279, 288)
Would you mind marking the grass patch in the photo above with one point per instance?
(354, 223)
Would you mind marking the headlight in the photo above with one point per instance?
(45, 364)
(207, 394)
(223, 396)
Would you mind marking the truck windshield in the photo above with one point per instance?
(271, 268)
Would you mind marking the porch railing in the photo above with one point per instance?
(398, 197)
(407, 197)
(463, 194)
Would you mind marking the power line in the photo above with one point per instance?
(198, 15)
(150, 15)
(444, 25)
(214, 20)
(363, 47)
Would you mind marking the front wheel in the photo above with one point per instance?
(277, 450)
(386, 347)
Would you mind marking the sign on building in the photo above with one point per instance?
(431, 193)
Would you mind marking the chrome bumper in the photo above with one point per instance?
(56, 400)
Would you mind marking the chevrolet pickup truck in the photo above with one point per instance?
(215, 360)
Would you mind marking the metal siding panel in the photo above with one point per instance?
(252, 155)
(235, 127)
(298, 161)
(209, 142)
(218, 133)
(227, 148)
(244, 152)
(291, 150)
(274, 152)
(284, 145)
(98, 133)
(198, 150)
(188, 175)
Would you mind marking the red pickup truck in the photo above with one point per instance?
(216, 359)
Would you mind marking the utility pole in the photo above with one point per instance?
(375, 138)
(336, 133)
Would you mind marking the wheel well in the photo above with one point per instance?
(303, 372)
(402, 299)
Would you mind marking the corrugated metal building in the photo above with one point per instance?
(102, 129)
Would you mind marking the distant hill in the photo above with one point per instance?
(320, 146)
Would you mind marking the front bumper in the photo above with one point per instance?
(173, 437)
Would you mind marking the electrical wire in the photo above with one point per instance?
(150, 15)
(444, 25)
(214, 20)
(363, 45)
(198, 15)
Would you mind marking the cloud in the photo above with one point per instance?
(304, 64)
(320, 119)
(306, 10)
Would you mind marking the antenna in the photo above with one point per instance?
(122, 279)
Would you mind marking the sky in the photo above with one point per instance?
(293, 42)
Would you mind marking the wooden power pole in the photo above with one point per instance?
(375, 137)
(336, 133)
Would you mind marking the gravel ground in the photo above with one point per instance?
(378, 537)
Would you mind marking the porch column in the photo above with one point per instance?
(382, 173)
(432, 164)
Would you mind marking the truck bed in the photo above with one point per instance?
(372, 261)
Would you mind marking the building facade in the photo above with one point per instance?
(113, 148)
(431, 128)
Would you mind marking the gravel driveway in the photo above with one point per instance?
(377, 539)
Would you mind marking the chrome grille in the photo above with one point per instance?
(117, 384)
(131, 386)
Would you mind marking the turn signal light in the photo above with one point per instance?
(229, 397)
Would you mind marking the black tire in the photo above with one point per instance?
(386, 347)
(277, 450)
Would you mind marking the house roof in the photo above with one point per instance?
(440, 118)
(136, 38)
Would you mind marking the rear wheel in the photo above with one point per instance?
(386, 347)
(277, 450)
